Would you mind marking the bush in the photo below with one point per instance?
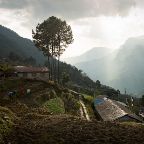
(71, 104)
(88, 98)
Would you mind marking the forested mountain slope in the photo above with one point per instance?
(120, 69)
(11, 42)
(18, 50)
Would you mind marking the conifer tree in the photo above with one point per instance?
(52, 37)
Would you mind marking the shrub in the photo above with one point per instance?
(71, 104)
(88, 98)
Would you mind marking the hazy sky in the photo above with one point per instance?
(95, 23)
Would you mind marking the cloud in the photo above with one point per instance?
(13, 4)
(71, 9)
(94, 22)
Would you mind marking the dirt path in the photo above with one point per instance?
(84, 112)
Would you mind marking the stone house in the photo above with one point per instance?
(32, 72)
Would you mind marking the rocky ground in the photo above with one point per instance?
(38, 126)
(25, 120)
(72, 130)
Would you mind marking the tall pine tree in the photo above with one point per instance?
(52, 37)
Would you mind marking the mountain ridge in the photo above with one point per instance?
(120, 69)
(10, 41)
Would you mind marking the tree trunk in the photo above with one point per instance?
(59, 50)
(51, 65)
(54, 68)
(58, 69)
(49, 68)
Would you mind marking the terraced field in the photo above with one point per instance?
(50, 116)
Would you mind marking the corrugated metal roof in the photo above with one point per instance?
(30, 69)
(125, 108)
(121, 103)
(110, 110)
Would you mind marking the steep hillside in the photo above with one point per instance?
(120, 69)
(50, 114)
(129, 69)
(12, 42)
(45, 100)
(12, 45)
(100, 68)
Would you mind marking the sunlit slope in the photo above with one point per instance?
(121, 69)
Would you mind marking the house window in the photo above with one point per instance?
(42, 74)
(34, 74)
(24, 74)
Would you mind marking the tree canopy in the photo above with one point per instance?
(52, 37)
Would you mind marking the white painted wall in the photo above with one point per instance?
(36, 75)
(20, 75)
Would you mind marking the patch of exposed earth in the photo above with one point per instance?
(59, 129)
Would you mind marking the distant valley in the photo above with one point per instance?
(121, 69)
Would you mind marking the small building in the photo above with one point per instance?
(32, 72)
(111, 110)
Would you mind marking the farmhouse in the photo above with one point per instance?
(111, 110)
(32, 72)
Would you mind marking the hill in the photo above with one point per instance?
(129, 69)
(46, 99)
(120, 69)
(102, 69)
(21, 51)
(50, 114)
(11, 42)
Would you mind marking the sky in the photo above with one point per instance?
(95, 23)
